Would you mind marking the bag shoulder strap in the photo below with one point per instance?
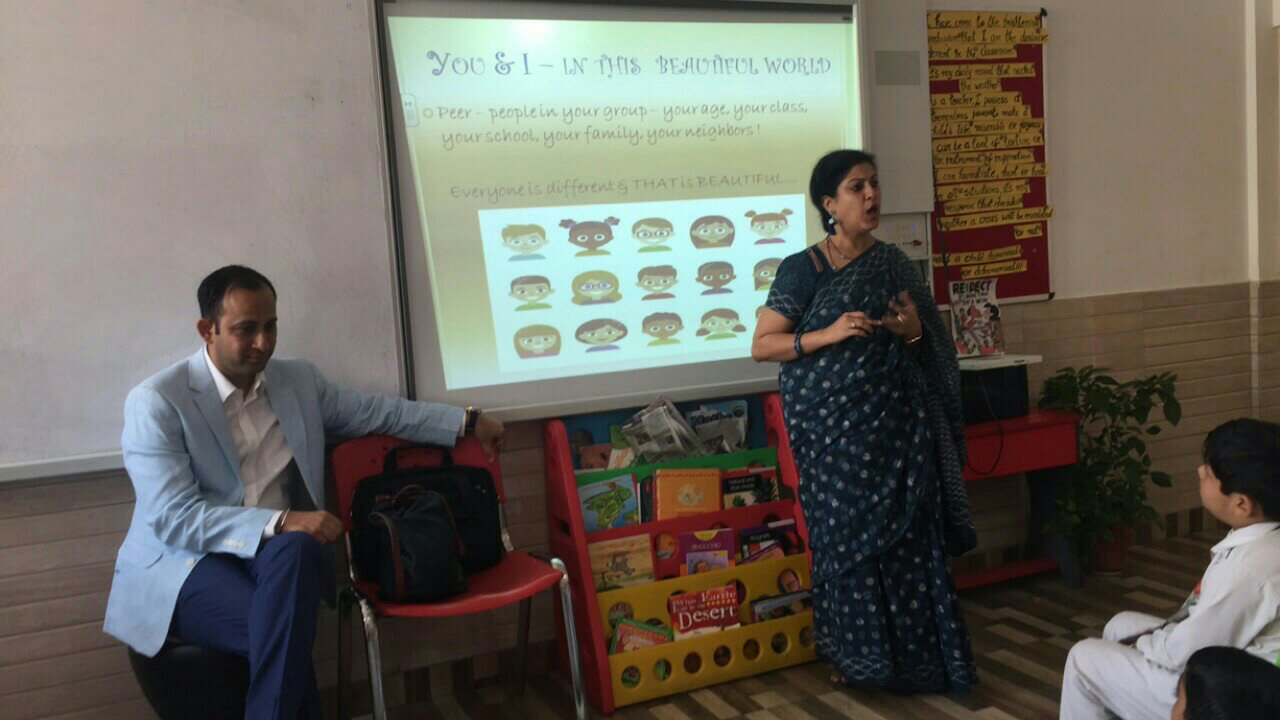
(397, 562)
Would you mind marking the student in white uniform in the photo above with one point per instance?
(1133, 670)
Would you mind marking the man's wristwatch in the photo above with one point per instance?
(473, 414)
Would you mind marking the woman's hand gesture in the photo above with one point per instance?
(903, 318)
(850, 324)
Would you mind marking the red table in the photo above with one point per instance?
(1042, 440)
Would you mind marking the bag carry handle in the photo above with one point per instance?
(407, 495)
(389, 463)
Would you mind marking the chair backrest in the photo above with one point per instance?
(358, 459)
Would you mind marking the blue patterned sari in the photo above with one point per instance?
(878, 437)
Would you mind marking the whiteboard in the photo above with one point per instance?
(145, 144)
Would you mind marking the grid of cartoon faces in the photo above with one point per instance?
(663, 323)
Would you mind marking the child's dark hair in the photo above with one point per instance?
(1223, 683)
(1244, 455)
(830, 170)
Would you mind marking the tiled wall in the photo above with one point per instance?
(58, 537)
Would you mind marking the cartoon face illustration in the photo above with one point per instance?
(789, 582)
(665, 546)
(595, 287)
(656, 281)
(524, 240)
(537, 341)
(600, 334)
(689, 496)
(590, 235)
(769, 226)
(711, 231)
(618, 564)
(530, 291)
(662, 327)
(764, 273)
(715, 275)
(652, 234)
(720, 324)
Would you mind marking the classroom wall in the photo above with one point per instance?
(1147, 149)
(144, 144)
(1145, 141)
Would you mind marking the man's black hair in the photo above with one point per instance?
(1244, 455)
(222, 281)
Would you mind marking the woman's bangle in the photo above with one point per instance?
(799, 347)
(916, 339)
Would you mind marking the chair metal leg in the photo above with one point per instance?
(522, 647)
(571, 636)
(374, 650)
(345, 599)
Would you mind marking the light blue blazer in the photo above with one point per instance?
(180, 456)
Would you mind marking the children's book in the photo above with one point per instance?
(611, 503)
(706, 550)
(594, 457)
(645, 490)
(704, 611)
(749, 487)
(722, 426)
(621, 562)
(975, 315)
(781, 533)
(680, 493)
(621, 458)
(780, 606)
(632, 635)
(772, 551)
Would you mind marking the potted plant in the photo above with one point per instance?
(1107, 497)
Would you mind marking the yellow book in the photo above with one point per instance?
(621, 562)
(683, 492)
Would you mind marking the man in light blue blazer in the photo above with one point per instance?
(226, 454)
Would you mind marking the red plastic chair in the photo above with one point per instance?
(516, 579)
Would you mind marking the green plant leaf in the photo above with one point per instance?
(1109, 485)
(1160, 479)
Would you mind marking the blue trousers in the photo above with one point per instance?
(265, 609)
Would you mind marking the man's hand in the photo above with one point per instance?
(322, 526)
(491, 434)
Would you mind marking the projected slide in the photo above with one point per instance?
(598, 197)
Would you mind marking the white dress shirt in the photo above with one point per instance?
(1236, 604)
(264, 454)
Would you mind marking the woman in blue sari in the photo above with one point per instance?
(870, 388)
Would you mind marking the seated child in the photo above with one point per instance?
(1133, 670)
(1221, 683)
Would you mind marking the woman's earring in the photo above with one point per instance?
(831, 221)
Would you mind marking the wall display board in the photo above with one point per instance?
(987, 99)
